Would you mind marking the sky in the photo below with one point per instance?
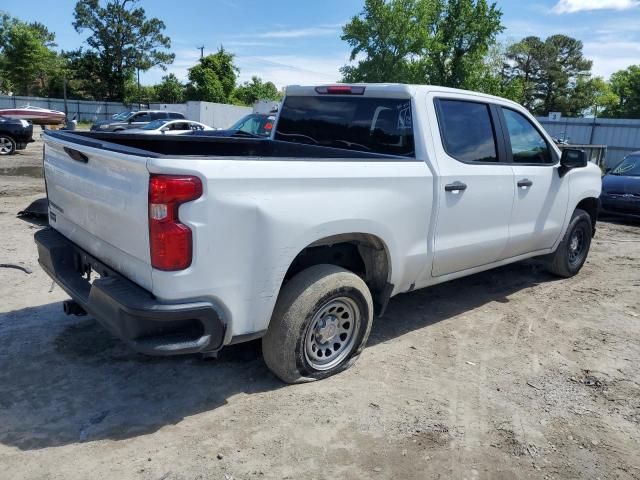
(298, 41)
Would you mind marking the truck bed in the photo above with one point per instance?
(159, 146)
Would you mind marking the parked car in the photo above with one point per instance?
(169, 127)
(14, 135)
(621, 188)
(363, 192)
(133, 120)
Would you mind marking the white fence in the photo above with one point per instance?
(81, 110)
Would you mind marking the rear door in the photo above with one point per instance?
(540, 203)
(140, 120)
(98, 199)
(475, 188)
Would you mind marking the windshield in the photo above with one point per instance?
(153, 125)
(629, 167)
(377, 125)
(122, 115)
(255, 124)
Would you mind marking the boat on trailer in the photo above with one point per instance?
(35, 115)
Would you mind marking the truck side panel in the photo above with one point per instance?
(256, 216)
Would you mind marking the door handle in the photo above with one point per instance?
(455, 187)
(524, 183)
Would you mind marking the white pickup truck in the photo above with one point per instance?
(362, 192)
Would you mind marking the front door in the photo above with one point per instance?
(475, 189)
(540, 203)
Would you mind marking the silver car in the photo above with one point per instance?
(169, 127)
(127, 120)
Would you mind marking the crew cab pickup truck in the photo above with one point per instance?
(188, 244)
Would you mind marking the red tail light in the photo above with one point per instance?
(170, 241)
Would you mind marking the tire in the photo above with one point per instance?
(320, 324)
(572, 252)
(7, 145)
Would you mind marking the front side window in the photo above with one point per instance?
(527, 144)
(366, 124)
(467, 131)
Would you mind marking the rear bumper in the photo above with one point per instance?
(127, 310)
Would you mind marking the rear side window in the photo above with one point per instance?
(158, 115)
(142, 117)
(527, 144)
(467, 131)
(175, 115)
(376, 125)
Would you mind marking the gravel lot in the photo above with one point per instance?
(508, 373)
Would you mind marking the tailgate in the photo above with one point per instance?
(98, 199)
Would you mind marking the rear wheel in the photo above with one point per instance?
(572, 252)
(7, 145)
(320, 324)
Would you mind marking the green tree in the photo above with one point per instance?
(140, 94)
(554, 74)
(523, 65)
(213, 79)
(250, 92)
(490, 77)
(84, 77)
(27, 62)
(123, 39)
(170, 90)
(625, 84)
(442, 42)
(389, 36)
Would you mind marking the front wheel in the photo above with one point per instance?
(7, 145)
(572, 252)
(319, 326)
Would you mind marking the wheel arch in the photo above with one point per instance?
(591, 205)
(364, 254)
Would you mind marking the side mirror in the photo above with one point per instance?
(572, 158)
(164, 129)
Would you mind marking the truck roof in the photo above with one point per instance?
(390, 90)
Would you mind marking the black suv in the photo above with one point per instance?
(126, 120)
(14, 135)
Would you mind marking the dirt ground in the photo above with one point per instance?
(506, 374)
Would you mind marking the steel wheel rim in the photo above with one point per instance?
(576, 246)
(331, 333)
(5, 145)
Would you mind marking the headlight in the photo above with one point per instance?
(24, 123)
(103, 127)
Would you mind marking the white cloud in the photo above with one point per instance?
(609, 57)
(285, 70)
(299, 32)
(573, 6)
(282, 70)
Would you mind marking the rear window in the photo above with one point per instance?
(376, 125)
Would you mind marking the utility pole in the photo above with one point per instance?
(64, 93)
(201, 51)
(139, 99)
